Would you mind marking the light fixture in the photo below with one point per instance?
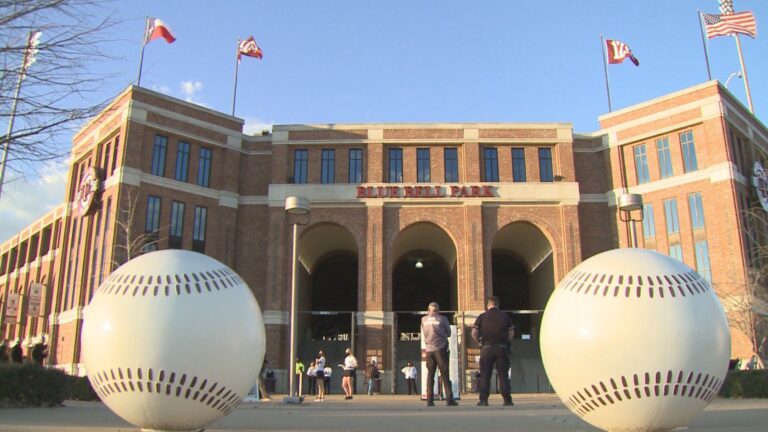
(629, 203)
(419, 264)
(297, 206)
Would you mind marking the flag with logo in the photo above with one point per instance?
(248, 48)
(618, 51)
(30, 53)
(157, 29)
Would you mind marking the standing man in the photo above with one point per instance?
(436, 330)
(409, 372)
(493, 330)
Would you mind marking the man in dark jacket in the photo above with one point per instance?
(17, 355)
(436, 330)
(493, 330)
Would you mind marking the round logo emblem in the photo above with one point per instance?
(86, 191)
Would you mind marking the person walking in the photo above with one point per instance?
(435, 329)
(371, 374)
(17, 355)
(312, 378)
(493, 331)
(4, 355)
(320, 374)
(299, 371)
(349, 366)
(409, 371)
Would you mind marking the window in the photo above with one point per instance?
(204, 167)
(45, 244)
(702, 260)
(518, 165)
(328, 165)
(182, 161)
(641, 164)
(176, 232)
(396, 165)
(355, 165)
(670, 212)
(491, 163)
(665, 160)
(3, 262)
(198, 229)
(545, 165)
(300, 166)
(104, 239)
(114, 157)
(689, 151)
(676, 251)
(451, 156)
(158, 155)
(422, 165)
(697, 210)
(649, 223)
(152, 223)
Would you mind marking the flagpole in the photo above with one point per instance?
(744, 74)
(143, 44)
(10, 122)
(605, 68)
(237, 66)
(704, 43)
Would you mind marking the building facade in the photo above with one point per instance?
(401, 215)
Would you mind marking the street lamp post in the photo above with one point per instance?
(629, 203)
(294, 206)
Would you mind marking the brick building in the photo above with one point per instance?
(402, 214)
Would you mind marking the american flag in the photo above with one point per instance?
(726, 7)
(248, 48)
(722, 25)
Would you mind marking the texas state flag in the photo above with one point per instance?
(157, 29)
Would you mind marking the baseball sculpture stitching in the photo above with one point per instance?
(173, 340)
(633, 340)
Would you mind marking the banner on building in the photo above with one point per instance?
(12, 305)
(34, 305)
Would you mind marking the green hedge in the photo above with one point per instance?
(745, 384)
(31, 385)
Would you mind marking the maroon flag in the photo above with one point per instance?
(727, 24)
(618, 51)
(248, 48)
(157, 29)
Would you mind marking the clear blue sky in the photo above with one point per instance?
(418, 61)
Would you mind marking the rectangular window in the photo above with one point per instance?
(665, 160)
(702, 260)
(451, 156)
(396, 165)
(355, 165)
(518, 165)
(158, 155)
(641, 164)
(152, 223)
(491, 164)
(328, 166)
(545, 165)
(689, 151)
(670, 213)
(204, 167)
(697, 210)
(45, 243)
(104, 239)
(182, 161)
(115, 154)
(422, 165)
(198, 230)
(676, 251)
(300, 162)
(649, 223)
(176, 233)
(3, 263)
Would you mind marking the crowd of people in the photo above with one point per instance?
(15, 354)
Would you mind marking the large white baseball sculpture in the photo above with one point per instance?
(173, 340)
(633, 340)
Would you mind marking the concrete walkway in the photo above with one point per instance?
(532, 412)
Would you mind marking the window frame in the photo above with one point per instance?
(159, 154)
(664, 158)
(451, 164)
(327, 166)
(518, 165)
(490, 163)
(204, 164)
(300, 166)
(640, 155)
(181, 171)
(688, 149)
(355, 174)
(395, 164)
(423, 167)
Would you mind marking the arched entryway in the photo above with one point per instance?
(424, 271)
(523, 278)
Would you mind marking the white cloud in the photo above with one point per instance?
(25, 201)
(190, 90)
(164, 89)
(254, 126)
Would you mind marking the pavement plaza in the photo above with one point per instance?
(532, 412)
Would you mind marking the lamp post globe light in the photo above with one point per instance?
(629, 203)
(294, 206)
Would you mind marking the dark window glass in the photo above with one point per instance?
(300, 166)
(451, 165)
(158, 155)
(198, 230)
(176, 233)
(355, 165)
(328, 166)
(689, 151)
(545, 165)
(422, 165)
(696, 207)
(396, 165)
(182, 161)
(665, 158)
(152, 223)
(204, 167)
(641, 164)
(491, 164)
(518, 165)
